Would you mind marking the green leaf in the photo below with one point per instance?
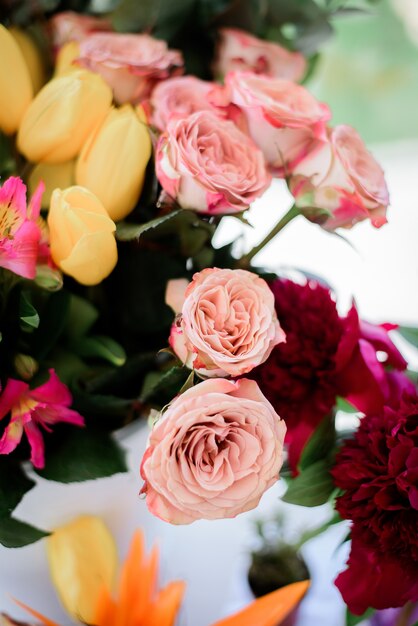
(315, 532)
(128, 232)
(78, 454)
(409, 333)
(29, 317)
(415, 624)
(312, 487)
(166, 387)
(82, 316)
(101, 347)
(53, 320)
(13, 485)
(343, 405)
(16, 534)
(320, 444)
(352, 620)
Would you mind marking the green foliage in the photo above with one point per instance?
(352, 620)
(15, 534)
(409, 333)
(162, 388)
(29, 317)
(13, 485)
(78, 454)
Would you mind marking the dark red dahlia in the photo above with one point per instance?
(378, 471)
(299, 376)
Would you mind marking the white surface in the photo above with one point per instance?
(211, 556)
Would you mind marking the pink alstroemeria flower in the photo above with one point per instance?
(19, 229)
(34, 408)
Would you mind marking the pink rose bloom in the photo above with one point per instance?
(207, 164)
(20, 233)
(70, 26)
(131, 64)
(343, 178)
(283, 118)
(240, 51)
(227, 323)
(179, 97)
(33, 409)
(213, 453)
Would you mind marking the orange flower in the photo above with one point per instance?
(138, 601)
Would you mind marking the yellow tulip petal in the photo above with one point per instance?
(62, 115)
(60, 175)
(92, 259)
(113, 161)
(269, 610)
(32, 55)
(83, 560)
(66, 56)
(16, 90)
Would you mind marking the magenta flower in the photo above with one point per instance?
(19, 231)
(34, 408)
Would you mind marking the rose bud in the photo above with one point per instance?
(227, 323)
(209, 165)
(33, 57)
(112, 162)
(16, 90)
(283, 118)
(82, 237)
(213, 453)
(131, 64)
(70, 26)
(343, 180)
(62, 115)
(179, 97)
(239, 51)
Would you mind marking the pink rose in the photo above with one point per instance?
(227, 324)
(131, 64)
(213, 453)
(283, 118)
(240, 51)
(342, 178)
(179, 97)
(207, 164)
(70, 26)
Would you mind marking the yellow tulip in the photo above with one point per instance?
(59, 175)
(83, 562)
(16, 90)
(81, 235)
(67, 54)
(62, 115)
(112, 162)
(32, 55)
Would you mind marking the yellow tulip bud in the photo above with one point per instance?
(32, 55)
(83, 562)
(15, 84)
(59, 175)
(112, 162)
(62, 115)
(66, 56)
(81, 235)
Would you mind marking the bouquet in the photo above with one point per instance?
(115, 305)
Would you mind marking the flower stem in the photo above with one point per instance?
(405, 614)
(288, 217)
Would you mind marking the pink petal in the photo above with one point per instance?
(12, 435)
(34, 208)
(11, 395)
(13, 193)
(36, 443)
(53, 391)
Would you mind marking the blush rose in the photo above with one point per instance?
(240, 51)
(213, 453)
(131, 64)
(342, 178)
(282, 118)
(179, 97)
(207, 164)
(227, 323)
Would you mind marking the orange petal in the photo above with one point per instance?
(167, 605)
(269, 610)
(38, 616)
(105, 611)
